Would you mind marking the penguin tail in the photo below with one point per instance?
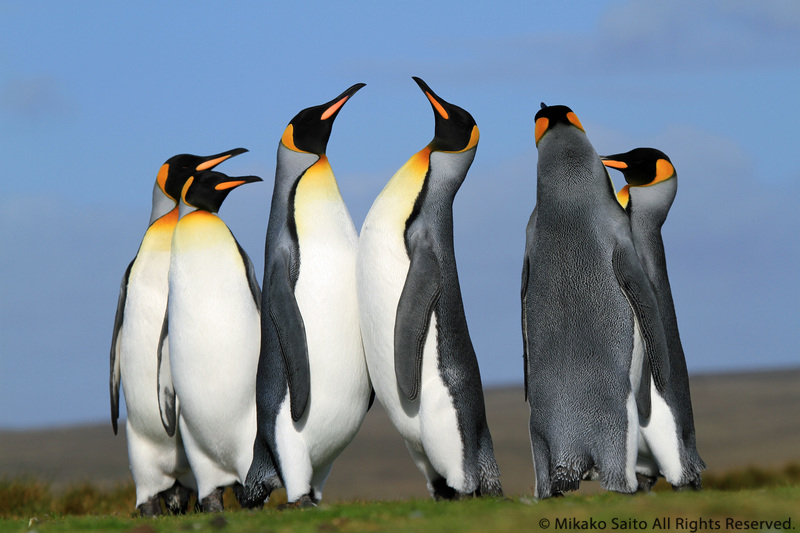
(262, 478)
(488, 471)
(565, 479)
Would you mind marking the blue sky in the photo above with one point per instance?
(95, 96)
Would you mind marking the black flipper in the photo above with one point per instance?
(524, 293)
(166, 391)
(114, 378)
(288, 322)
(636, 286)
(526, 266)
(420, 294)
(643, 399)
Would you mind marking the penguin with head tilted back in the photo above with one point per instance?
(158, 463)
(208, 350)
(667, 441)
(313, 388)
(417, 344)
(584, 297)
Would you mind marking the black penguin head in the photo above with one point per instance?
(456, 130)
(549, 116)
(310, 129)
(641, 166)
(177, 169)
(207, 189)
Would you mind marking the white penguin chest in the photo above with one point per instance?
(145, 305)
(326, 293)
(214, 324)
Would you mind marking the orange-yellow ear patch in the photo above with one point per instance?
(573, 118)
(288, 138)
(437, 106)
(225, 185)
(186, 187)
(541, 126)
(664, 171)
(161, 179)
(333, 109)
(615, 164)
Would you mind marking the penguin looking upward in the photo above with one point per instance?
(418, 349)
(668, 436)
(312, 387)
(585, 296)
(157, 461)
(208, 351)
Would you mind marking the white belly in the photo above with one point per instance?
(214, 343)
(145, 306)
(326, 295)
(381, 271)
(156, 459)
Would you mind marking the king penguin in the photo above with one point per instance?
(158, 463)
(418, 349)
(584, 298)
(667, 443)
(313, 388)
(208, 349)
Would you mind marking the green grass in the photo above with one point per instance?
(750, 495)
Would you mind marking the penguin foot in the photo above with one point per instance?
(440, 490)
(213, 502)
(694, 484)
(151, 507)
(645, 482)
(302, 502)
(177, 498)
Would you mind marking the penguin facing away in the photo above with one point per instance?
(417, 345)
(158, 463)
(312, 388)
(667, 443)
(584, 298)
(208, 351)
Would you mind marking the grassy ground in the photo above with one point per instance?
(745, 496)
(77, 479)
(710, 509)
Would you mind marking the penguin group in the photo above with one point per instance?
(229, 383)
(605, 374)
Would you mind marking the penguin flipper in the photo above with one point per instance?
(525, 272)
(530, 230)
(114, 379)
(639, 292)
(288, 323)
(420, 294)
(166, 391)
(643, 398)
(252, 281)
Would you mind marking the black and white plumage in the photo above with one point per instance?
(313, 388)
(158, 462)
(585, 297)
(668, 441)
(417, 344)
